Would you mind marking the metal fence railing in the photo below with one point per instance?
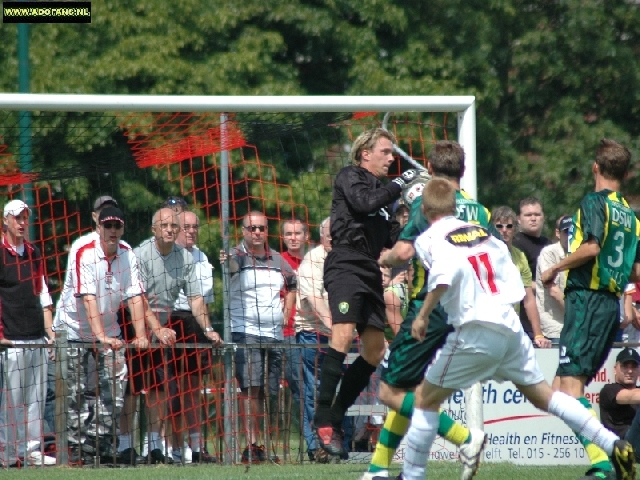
(84, 427)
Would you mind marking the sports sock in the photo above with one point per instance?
(355, 380)
(330, 375)
(195, 442)
(406, 409)
(452, 430)
(154, 441)
(421, 434)
(124, 442)
(580, 417)
(394, 428)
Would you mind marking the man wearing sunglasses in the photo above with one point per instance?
(258, 315)
(105, 275)
(504, 219)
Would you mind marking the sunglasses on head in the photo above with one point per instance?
(256, 228)
(110, 225)
(176, 201)
(500, 226)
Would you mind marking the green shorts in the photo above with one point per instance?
(591, 322)
(407, 359)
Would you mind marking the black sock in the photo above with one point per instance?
(330, 375)
(355, 380)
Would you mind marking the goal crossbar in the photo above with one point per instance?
(464, 106)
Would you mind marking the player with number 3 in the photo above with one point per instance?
(603, 254)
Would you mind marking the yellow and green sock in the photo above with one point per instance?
(598, 457)
(395, 427)
(452, 430)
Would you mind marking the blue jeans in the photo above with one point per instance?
(312, 357)
(293, 357)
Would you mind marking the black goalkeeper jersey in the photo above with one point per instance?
(361, 215)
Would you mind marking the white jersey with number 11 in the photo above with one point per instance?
(483, 281)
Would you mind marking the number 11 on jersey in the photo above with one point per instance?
(481, 264)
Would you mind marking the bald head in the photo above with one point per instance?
(165, 229)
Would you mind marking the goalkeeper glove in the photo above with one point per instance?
(406, 177)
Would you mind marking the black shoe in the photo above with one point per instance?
(624, 460)
(156, 456)
(254, 454)
(203, 457)
(77, 456)
(257, 454)
(596, 473)
(321, 456)
(101, 447)
(330, 439)
(129, 456)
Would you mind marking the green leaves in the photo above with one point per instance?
(550, 78)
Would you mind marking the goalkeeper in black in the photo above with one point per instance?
(361, 226)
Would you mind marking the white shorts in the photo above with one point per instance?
(481, 351)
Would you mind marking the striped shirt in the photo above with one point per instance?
(255, 304)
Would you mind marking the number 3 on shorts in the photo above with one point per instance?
(481, 264)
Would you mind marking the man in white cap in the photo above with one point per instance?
(26, 320)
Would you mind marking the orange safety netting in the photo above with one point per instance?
(183, 151)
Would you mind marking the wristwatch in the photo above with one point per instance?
(208, 329)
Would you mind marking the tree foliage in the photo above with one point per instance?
(551, 77)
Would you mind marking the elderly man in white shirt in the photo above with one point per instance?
(194, 362)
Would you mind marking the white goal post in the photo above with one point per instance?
(463, 106)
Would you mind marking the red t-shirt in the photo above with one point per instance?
(289, 330)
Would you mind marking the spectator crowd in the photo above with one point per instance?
(125, 317)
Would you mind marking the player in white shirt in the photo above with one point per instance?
(471, 274)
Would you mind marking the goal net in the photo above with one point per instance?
(277, 156)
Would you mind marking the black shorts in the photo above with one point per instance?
(189, 360)
(137, 362)
(354, 286)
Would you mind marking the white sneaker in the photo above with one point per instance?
(471, 453)
(37, 458)
(187, 453)
(176, 455)
(371, 475)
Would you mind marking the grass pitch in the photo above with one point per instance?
(348, 471)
